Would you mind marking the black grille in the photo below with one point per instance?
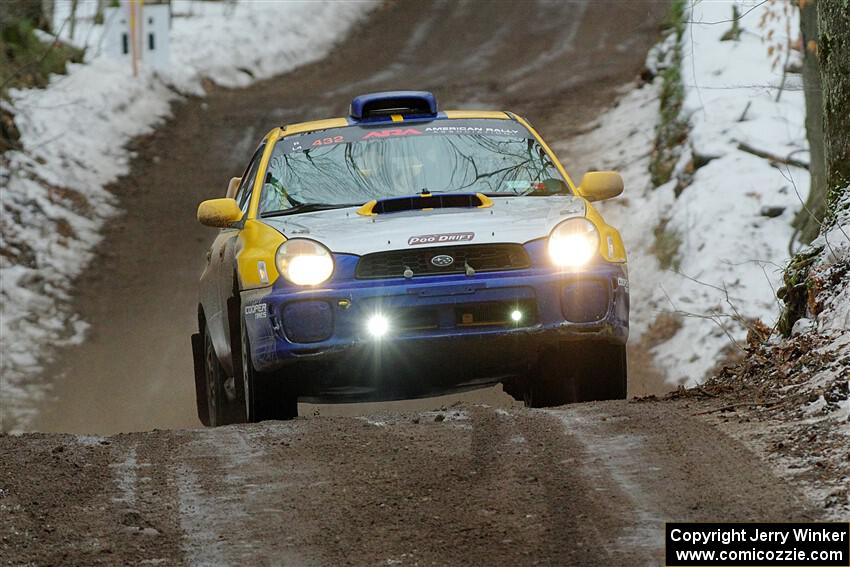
(480, 257)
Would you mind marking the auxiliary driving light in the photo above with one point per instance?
(516, 315)
(377, 325)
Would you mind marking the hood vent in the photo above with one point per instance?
(425, 201)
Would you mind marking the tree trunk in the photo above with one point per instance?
(13, 11)
(47, 9)
(834, 50)
(809, 217)
(73, 20)
(98, 12)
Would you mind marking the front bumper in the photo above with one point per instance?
(446, 332)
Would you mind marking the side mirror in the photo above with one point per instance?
(233, 187)
(219, 213)
(600, 185)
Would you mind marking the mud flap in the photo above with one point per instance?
(200, 379)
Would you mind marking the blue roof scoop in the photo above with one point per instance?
(384, 104)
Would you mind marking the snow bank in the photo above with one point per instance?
(732, 221)
(73, 135)
(732, 253)
(833, 268)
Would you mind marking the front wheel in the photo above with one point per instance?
(220, 389)
(266, 396)
(578, 372)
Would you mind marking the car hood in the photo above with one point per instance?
(510, 219)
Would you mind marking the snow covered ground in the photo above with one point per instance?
(731, 255)
(730, 252)
(73, 135)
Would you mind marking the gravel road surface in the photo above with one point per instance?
(590, 484)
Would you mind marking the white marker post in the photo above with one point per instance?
(137, 22)
(138, 30)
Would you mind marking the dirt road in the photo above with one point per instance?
(469, 484)
(584, 485)
(558, 63)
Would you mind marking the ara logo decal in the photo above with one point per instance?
(258, 310)
(442, 261)
(440, 238)
(393, 132)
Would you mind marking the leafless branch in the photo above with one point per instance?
(759, 262)
(730, 19)
(744, 147)
(17, 72)
(772, 289)
(716, 318)
(790, 178)
(694, 65)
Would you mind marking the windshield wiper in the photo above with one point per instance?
(308, 208)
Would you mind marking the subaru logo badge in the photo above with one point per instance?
(442, 261)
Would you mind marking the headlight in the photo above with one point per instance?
(573, 243)
(304, 262)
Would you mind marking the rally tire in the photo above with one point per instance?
(198, 361)
(551, 382)
(577, 372)
(266, 396)
(216, 398)
(607, 378)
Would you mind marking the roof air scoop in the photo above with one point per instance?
(385, 104)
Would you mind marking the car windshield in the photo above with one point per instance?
(355, 164)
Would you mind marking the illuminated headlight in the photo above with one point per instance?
(304, 262)
(573, 243)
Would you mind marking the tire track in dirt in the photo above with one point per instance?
(237, 499)
(144, 504)
(584, 507)
(82, 500)
(673, 466)
(590, 484)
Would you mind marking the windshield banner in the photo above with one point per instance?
(348, 134)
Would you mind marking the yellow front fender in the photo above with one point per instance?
(255, 256)
(610, 242)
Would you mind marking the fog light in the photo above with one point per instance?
(516, 315)
(377, 325)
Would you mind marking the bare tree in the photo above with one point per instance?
(834, 52)
(35, 11)
(808, 219)
(98, 11)
(73, 19)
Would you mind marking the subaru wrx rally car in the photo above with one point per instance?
(404, 252)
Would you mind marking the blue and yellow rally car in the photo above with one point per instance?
(404, 252)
